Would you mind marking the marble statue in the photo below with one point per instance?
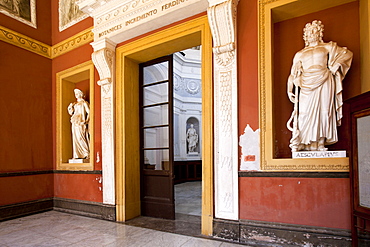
(192, 138)
(80, 116)
(316, 75)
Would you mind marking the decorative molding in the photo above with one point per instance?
(99, 172)
(27, 43)
(24, 173)
(222, 19)
(121, 20)
(24, 42)
(294, 174)
(104, 61)
(80, 39)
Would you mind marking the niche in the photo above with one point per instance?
(81, 77)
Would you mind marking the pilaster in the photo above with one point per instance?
(104, 61)
(222, 19)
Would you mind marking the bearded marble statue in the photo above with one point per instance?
(316, 77)
(80, 116)
(192, 138)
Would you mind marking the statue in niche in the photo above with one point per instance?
(80, 116)
(316, 75)
(192, 138)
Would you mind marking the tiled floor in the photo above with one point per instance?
(54, 228)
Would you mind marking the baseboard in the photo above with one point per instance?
(86, 208)
(25, 208)
(258, 233)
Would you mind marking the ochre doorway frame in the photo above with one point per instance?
(128, 57)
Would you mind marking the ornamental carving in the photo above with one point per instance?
(222, 19)
(103, 61)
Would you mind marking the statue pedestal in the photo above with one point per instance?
(318, 154)
(79, 161)
(193, 154)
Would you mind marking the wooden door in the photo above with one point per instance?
(156, 103)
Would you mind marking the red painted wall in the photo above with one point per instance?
(25, 188)
(78, 186)
(247, 47)
(322, 202)
(26, 127)
(86, 187)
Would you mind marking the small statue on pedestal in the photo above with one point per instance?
(317, 74)
(80, 116)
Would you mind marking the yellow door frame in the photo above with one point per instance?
(128, 57)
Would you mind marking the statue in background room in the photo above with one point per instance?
(317, 74)
(80, 116)
(192, 138)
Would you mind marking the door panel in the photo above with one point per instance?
(157, 194)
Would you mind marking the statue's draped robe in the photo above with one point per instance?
(80, 133)
(192, 138)
(320, 97)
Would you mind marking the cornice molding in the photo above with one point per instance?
(24, 42)
(11, 37)
(80, 39)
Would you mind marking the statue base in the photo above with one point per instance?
(193, 153)
(79, 161)
(318, 154)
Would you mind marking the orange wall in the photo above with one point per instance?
(26, 129)
(25, 188)
(86, 187)
(322, 202)
(247, 47)
(25, 106)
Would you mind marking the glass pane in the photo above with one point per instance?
(156, 159)
(155, 115)
(156, 137)
(155, 73)
(156, 94)
(363, 136)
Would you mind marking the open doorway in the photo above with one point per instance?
(128, 56)
(170, 122)
(187, 115)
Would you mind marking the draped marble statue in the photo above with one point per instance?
(80, 116)
(192, 138)
(316, 77)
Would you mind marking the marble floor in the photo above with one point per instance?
(55, 228)
(188, 198)
(188, 208)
